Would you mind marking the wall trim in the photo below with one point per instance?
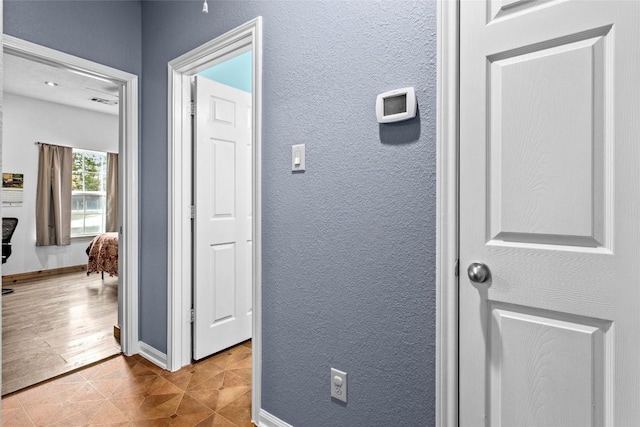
(447, 213)
(153, 355)
(268, 420)
(248, 35)
(128, 164)
(14, 279)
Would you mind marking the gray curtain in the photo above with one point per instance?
(112, 192)
(53, 196)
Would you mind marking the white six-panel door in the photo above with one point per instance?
(550, 202)
(222, 224)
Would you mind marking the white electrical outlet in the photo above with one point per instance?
(339, 385)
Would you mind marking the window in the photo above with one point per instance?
(88, 194)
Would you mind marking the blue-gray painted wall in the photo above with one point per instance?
(349, 245)
(107, 32)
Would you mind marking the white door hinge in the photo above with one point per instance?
(192, 211)
(457, 267)
(192, 108)
(193, 315)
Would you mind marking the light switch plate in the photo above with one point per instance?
(297, 157)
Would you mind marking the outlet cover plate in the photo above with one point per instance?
(339, 385)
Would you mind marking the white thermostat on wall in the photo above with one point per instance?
(396, 105)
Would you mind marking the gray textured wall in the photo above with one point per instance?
(348, 246)
(107, 32)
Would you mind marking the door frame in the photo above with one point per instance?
(128, 159)
(179, 261)
(447, 203)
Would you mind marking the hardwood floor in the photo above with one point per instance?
(56, 325)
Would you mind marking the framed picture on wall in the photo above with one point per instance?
(12, 189)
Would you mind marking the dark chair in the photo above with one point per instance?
(8, 227)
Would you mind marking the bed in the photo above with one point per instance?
(103, 254)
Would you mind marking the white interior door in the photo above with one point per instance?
(222, 224)
(550, 202)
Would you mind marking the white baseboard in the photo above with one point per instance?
(152, 355)
(268, 420)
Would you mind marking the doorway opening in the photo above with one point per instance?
(246, 38)
(117, 115)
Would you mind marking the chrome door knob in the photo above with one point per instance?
(478, 272)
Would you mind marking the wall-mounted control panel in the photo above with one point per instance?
(396, 105)
(297, 157)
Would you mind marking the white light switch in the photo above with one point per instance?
(297, 157)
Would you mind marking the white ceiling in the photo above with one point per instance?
(27, 78)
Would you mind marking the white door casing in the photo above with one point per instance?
(222, 224)
(447, 218)
(550, 201)
(179, 192)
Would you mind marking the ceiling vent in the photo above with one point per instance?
(104, 101)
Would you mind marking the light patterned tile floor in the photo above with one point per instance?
(131, 391)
